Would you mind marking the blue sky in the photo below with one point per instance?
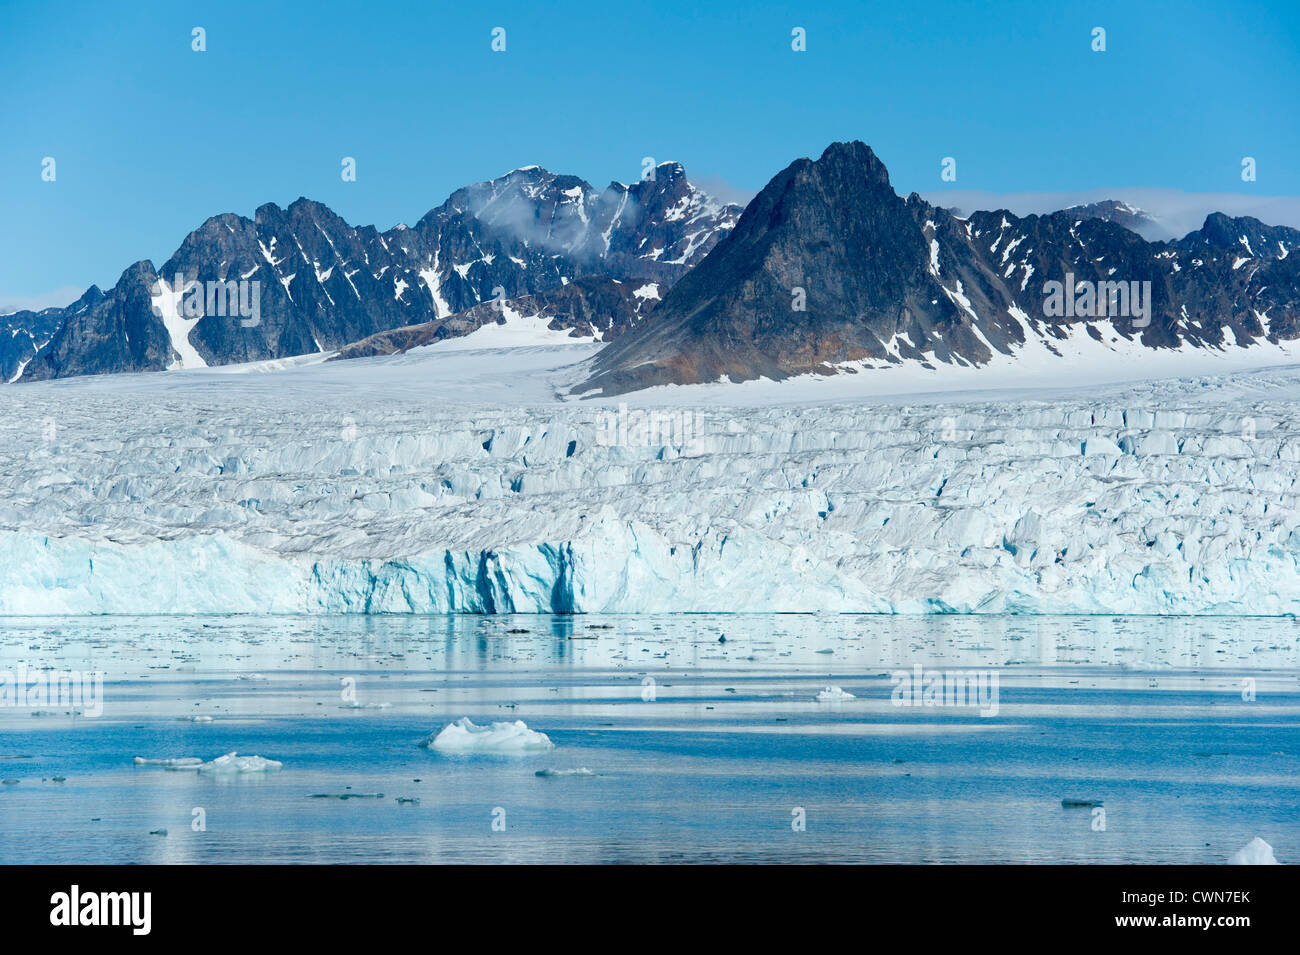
(150, 138)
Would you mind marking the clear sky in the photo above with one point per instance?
(150, 138)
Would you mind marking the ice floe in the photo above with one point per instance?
(234, 763)
(463, 736)
(178, 762)
(833, 694)
(579, 771)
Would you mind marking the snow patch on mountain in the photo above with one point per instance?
(167, 304)
(513, 330)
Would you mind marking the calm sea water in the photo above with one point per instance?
(1186, 729)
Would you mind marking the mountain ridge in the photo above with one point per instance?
(829, 267)
(324, 284)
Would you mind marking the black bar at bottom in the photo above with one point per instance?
(374, 905)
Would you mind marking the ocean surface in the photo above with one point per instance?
(703, 735)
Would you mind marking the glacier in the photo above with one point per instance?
(454, 481)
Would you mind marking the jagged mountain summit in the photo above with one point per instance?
(1122, 213)
(316, 283)
(26, 332)
(829, 270)
(1111, 210)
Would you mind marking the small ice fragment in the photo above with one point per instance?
(347, 796)
(832, 693)
(233, 763)
(195, 719)
(580, 771)
(179, 762)
(463, 736)
(1255, 852)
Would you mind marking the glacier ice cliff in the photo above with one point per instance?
(238, 495)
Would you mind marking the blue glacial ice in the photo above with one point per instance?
(254, 493)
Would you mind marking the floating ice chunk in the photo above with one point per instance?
(834, 693)
(1255, 852)
(347, 796)
(463, 736)
(233, 763)
(195, 719)
(179, 762)
(580, 771)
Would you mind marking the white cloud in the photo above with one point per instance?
(1179, 212)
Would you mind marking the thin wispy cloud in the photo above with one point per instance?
(57, 298)
(1178, 212)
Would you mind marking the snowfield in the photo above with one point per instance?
(447, 480)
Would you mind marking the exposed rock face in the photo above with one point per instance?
(24, 333)
(322, 283)
(1121, 213)
(119, 333)
(829, 266)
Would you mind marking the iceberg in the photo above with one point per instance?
(464, 736)
(1255, 852)
(233, 763)
(833, 694)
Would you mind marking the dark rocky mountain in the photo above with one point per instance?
(1111, 210)
(322, 284)
(24, 333)
(884, 280)
(1121, 213)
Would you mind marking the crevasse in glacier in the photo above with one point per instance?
(1164, 498)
